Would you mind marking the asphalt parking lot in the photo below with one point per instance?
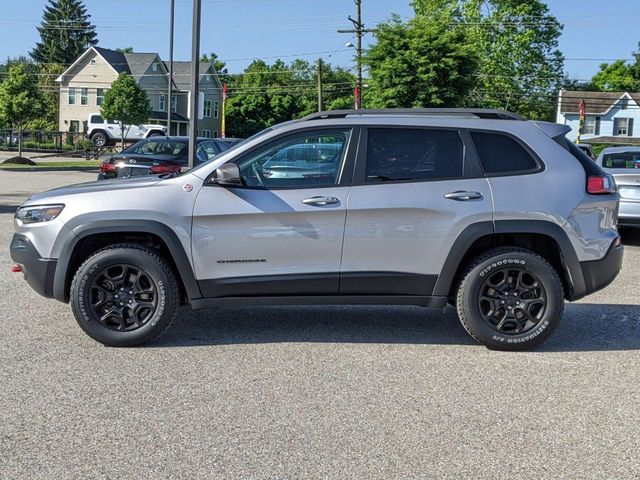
(314, 392)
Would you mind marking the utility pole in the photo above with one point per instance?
(319, 84)
(359, 30)
(195, 77)
(172, 8)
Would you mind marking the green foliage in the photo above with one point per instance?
(267, 94)
(65, 32)
(126, 102)
(125, 50)
(521, 67)
(615, 77)
(20, 99)
(421, 63)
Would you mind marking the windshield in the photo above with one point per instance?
(626, 160)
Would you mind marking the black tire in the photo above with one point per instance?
(520, 313)
(141, 314)
(99, 139)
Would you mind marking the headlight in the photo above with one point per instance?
(38, 213)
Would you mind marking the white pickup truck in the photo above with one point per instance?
(103, 132)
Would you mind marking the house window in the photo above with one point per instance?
(216, 109)
(162, 103)
(74, 126)
(72, 95)
(99, 96)
(154, 67)
(207, 108)
(624, 103)
(206, 133)
(208, 77)
(84, 96)
(174, 101)
(590, 123)
(93, 62)
(215, 134)
(622, 127)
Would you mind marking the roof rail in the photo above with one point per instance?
(487, 114)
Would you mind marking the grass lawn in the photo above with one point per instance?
(49, 165)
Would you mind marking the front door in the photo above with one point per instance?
(415, 190)
(281, 232)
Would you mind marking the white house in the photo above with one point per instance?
(611, 117)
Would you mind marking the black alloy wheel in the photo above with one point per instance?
(123, 297)
(512, 301)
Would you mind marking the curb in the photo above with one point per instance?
(49, 169)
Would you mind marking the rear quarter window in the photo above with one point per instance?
(96, 119)
(502, 155)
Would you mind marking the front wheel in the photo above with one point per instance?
(124, 295)
(99, 139)
(510, 299)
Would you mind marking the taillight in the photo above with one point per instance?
(108, 167)
(160, 169)
(600, 185)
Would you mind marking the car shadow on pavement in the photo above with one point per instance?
(585, 327)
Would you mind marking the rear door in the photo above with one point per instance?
(415, 190)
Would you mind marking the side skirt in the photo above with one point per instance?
(423, 301)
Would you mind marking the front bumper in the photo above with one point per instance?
(38, 272)
(600, 273)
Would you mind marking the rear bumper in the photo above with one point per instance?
(600, 273)
(38, 272)
(629, 213)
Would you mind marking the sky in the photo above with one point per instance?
(241, 30)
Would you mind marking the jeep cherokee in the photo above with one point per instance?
(503, 218)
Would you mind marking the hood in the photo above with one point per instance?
(91, 187)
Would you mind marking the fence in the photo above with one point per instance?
(44, 141)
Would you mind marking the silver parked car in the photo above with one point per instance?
(501, 217)
(624, 164)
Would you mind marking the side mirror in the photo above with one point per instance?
(228, 174)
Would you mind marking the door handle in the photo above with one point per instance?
(464, 196)
(320, 201)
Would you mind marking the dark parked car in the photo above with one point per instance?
(158, 155)
(588, 149)
(231, 141)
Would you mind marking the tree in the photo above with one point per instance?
(65, 32)
(126, 103)
(267, 94)
(125, 50)
(47, 118)
(421, 63)
(19, 100)
(520, 65)
(615, 77)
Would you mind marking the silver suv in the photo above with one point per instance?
(501, 217)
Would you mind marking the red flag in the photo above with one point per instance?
(582, 109)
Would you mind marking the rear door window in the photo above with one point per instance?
(502, 155)
(404, 154)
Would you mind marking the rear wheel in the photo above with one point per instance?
(510, 299)
(124, 295)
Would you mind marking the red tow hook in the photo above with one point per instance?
(16, 268)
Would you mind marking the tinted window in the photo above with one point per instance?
(153, 147)
(502, 154)
(621, 160)
(305, 159)
(413, 154)
(96, 119)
